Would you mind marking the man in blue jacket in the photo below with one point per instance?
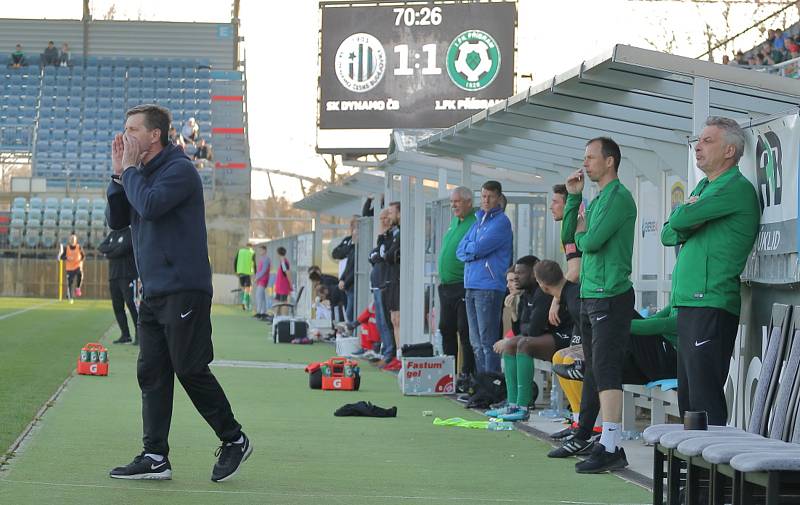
(158, 192)
(486, 253)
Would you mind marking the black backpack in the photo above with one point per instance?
(488, 388)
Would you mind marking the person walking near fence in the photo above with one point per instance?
(263, 267)
(118, 249)
(283, 282)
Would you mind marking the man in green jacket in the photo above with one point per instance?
(453, 323)
(717, 227)
(605, 238)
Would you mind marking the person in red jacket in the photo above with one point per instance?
(369, 332)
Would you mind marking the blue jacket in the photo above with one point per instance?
(162, 201)
(486, 251)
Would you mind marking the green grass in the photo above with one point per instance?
(38, 350)
(302, 453)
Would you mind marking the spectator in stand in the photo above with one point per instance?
(740, 59)
(486, 253)
(726, 60)
(65, 56)
(283, 283)
(118, 249)
(377, 281)
(73, 256)
(390, 252)
(453, 322)
(322, 303)
(345, 252)
(778, 41)
(190, 132)
(792, 48)
(17, 59)
(203, 153)
(263, 267)
(50, 55)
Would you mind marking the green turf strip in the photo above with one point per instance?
(302, 453)
(38, 350)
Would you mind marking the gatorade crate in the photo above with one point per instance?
(93, 360)
(340, 374)
(427, 376)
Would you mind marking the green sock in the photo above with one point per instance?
(524, 379)
(510, 370)
(246, 300)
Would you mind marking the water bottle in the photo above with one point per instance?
(437, 343)
(500, 426)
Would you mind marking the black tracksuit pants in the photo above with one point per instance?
(454, 326)
(175, 341)
(122, 295)
(706, 337)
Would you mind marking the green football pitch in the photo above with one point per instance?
(302, 453)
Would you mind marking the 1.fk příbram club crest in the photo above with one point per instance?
(473, 60)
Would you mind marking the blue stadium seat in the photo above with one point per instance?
(120, 69)
(58, 134)
(162, 72)
(118, 83)
(92, 72)
(43, 133)
(134, 72)
(105, 70)
(87, 134)
(103, 123)
(105, 93)
(90, 113)
(72, 146)
(73, 135)
(148, 72)
(105, 82)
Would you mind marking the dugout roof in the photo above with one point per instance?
(650, 102)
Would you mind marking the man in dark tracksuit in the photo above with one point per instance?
(717, 228)
(158, 193)
(605, 239)
(122, 275)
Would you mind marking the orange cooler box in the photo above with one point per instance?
(93, 360)
(340, 374)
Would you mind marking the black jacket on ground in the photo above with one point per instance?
(162, 202)
(118, 249)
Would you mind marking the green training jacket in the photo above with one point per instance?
(607, 243)
(664, 322)
(717, 232)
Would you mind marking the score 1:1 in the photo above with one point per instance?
(405, 69)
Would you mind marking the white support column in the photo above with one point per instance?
(466, 172)
(416, 331)
(316, 253)
(407, 239)
(443, 193)
(700, 112)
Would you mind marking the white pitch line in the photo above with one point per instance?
(256, 364)
(308, 495)
(12, 314)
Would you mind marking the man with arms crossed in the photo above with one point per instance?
(605, 239)
(717, 227)
(158, 192)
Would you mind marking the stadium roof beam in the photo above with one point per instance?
(646, 100)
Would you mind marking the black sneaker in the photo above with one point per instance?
(573, 371)
(231, 457)
(602, 461)
(122, 340)
(143, 468)
(566, 432)
(571, 447)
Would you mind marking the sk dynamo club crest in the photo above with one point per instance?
(473, 60)
(360, 62)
